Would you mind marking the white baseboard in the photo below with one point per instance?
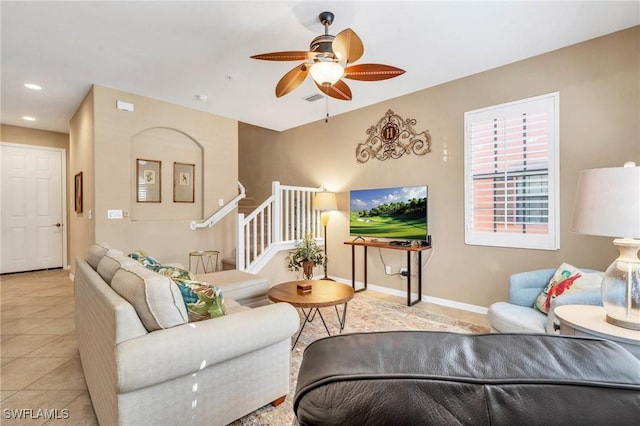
(429, 299)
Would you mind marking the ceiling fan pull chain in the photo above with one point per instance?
(326, 98)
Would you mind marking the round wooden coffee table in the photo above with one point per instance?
(323, 293)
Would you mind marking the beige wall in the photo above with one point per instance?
(599, 127)
(82, 159)
(26, 136)
(110, 160)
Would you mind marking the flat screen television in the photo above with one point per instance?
(395, 213)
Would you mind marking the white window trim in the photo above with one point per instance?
(550, 241)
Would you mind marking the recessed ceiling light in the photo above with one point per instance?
(28, 118)
(32, 86)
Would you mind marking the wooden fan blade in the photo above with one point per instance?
(339, 90)
(291, 80)
(347, 46)
(284, 56)
(371, 72)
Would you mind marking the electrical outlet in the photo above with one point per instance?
(403, 272)
(387, 270)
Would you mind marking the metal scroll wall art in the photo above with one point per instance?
(393, 137)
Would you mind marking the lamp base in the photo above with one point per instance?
(622, 323)
(621, 286)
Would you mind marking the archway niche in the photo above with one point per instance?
(167, 146)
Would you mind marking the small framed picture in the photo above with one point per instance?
(78, 192)
(183, 185)
(149, 181)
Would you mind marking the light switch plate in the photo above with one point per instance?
(114, 214)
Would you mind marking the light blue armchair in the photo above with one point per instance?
(518, 314)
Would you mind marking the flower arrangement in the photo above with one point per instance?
(307, 254)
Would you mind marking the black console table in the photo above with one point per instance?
(386, 245)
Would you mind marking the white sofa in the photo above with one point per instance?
(145, 364)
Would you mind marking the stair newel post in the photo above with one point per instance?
(240, 249)
(277, 212)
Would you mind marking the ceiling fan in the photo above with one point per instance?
(329, 60)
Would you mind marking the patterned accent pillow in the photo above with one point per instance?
(566, 279)
(144, 259)
(203, 300)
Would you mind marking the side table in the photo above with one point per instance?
(324, 293)
(208, 259)
(589, 321)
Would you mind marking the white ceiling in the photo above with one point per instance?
(175, 50)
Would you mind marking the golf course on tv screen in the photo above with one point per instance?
(399, 213)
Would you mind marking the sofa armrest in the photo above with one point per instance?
(166, 354)
(524, 287)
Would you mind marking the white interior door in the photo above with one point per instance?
(32, 208)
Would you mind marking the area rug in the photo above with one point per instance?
(364, 314)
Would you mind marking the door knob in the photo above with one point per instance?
(57, 225)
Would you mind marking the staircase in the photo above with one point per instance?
(245, 206)
(275, 225)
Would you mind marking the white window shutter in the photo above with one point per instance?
(511, 174)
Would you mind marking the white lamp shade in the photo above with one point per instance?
(608, 202)
(325, 201)
(326, 73)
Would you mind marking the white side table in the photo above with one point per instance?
(589, 321)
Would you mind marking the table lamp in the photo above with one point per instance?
(608, 204)
(325, 202)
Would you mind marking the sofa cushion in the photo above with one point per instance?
(111, 262)
(566, 279)
(238, 285)
(156, 298)
(96, 253)
(232, 307)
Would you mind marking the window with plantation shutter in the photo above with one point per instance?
(512, 174)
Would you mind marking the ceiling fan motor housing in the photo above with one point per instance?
(322, 46)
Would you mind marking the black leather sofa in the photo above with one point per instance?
(436, 378)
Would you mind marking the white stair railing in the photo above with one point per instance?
(225, 210)
(281, 220)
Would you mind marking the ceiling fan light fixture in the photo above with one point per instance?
(326, 73)
(329, 60)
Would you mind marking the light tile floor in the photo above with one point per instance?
(41, 378)
(40, 366)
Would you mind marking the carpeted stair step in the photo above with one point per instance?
(247, 205)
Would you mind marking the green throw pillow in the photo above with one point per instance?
(203, 300)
